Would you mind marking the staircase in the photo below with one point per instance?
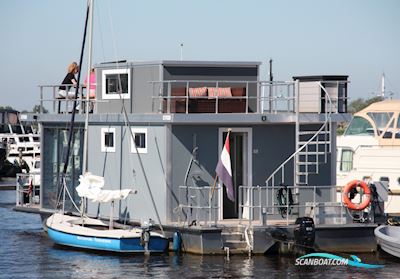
(234, 238)
(313, 146)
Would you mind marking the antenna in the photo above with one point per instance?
(181, 51)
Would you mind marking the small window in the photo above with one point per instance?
(140, 135)
(346, 162)
(107, 139)
(116, 84)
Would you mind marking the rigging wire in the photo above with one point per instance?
(127, 122)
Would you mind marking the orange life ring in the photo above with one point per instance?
(367, 193)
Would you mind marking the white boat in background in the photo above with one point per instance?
(22, 141)
(369, 150)
(388, 238)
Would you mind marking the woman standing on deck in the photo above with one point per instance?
(63, 91)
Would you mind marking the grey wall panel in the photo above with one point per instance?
(202, 172)
(272, 145)
(106, 164)
(142, 101)
(140, 205)
(122, 170)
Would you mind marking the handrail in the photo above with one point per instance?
(197, 205)
(267, 206)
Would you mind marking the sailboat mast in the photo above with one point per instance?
(90, 34)
(383, 86)
(71, 127)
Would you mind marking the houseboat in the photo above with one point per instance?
(282, 138)
(370, 149)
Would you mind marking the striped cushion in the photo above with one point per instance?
(220, 92)
(198, 92)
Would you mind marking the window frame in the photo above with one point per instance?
(123, 95)
(105, 148)
(347, 162)
(141, 150)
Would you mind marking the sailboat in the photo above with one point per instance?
(92, 233)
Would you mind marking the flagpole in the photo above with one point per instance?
(213, 187)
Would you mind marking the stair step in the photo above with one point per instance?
(235, 244)
(313, 132)
(314, 142)
(312, 153)
(301, 163)
(227, 236)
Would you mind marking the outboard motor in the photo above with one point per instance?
(304, 232)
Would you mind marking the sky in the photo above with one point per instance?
(359, 38)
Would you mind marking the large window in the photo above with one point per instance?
(360, 126)
(381, 119)
(346, 162)
(55, 145)
(107, 139)
(116, 84)
(140, 135)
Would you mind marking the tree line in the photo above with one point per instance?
(35, 109)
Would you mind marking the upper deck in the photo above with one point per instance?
(185, 89)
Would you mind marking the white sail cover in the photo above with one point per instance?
(91, 187)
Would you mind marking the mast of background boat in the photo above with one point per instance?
(88, 84)
(71, 127)
(383, 86)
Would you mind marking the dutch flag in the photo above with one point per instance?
(224, 170)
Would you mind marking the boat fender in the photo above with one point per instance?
(349, 189)
(177, 242)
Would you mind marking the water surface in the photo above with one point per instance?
(26, 252)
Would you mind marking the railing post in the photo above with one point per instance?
(247, 97)
(259, 204)
(259, 100)
(314, 202)
(216, 100)
(241, 204)
(187, 97)
(169, 98)
(41, 100)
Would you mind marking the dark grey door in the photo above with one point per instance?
(237, 152)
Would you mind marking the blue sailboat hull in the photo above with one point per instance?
(128, 245)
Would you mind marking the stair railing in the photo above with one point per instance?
(270, 181)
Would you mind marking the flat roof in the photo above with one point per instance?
(321, 77)
(183, 63)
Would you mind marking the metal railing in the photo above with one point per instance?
(260, 96)
(28, 189)
(59, 104)
(198, 204)
(255, 204)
